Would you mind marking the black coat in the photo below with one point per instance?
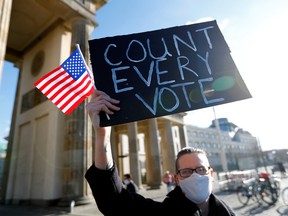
(132, 187)
(112, 199)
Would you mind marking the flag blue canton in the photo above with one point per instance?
(74, 65)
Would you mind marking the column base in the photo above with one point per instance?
(67, 202)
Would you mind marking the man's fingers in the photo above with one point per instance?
(102, 95)
(103, 102)
(110, 104)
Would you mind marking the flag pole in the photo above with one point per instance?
(89, 72)
(88, 68)
(222, 152)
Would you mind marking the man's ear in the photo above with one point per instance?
(211, 171)
(176, 179)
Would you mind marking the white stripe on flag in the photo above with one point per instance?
(55, 90)
(78, 97)
(68, 88)
(55, 83)
(72, 93)
(49, 77)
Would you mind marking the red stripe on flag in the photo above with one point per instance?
(73, 87)
(76, 99)
(57, 85)
(79, 101)
(45, 80)
(61, 91)
(74, 94)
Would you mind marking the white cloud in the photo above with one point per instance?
(203, 19)
(7, 129)
(222, 25)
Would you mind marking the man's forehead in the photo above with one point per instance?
(195, 157)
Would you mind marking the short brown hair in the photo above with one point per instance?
(188, 150)
(127, 175)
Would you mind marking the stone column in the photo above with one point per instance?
(78, 138)
(168, 147)
(120, 157)
(153, 164)
(114, 144)
(133, 153)
(5, 13)
(183, 136)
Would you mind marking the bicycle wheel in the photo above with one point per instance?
(269, 195)
(257, 193)
(277, 185)
(285, 196)
(243, 195)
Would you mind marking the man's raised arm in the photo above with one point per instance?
(100, 101)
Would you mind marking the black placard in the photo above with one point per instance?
(166, 71)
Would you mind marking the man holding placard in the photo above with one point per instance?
(161, 73)
(193, 191)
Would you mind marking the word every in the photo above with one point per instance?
(183, 50)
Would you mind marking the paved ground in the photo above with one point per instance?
(279, 209)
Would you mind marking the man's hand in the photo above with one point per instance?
(100, 101)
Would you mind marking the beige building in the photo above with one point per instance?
(240, 148)
(49, 152)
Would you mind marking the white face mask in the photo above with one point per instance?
(197, 188)
(126, 181)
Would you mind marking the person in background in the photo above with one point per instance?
(282, 169)
(130, 185)
(168, 180)
(192, 194)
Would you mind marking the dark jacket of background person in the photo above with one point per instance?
(131, 186)
(113, 199)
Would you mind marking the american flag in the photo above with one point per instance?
(69, 84)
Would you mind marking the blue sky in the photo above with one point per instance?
(7, 95)
(256, 32)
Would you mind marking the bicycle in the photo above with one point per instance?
(285, 195)
(263, 188)
(270, 188)
(249, 190)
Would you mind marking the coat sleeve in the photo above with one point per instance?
(110, 196)
(106, 186)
